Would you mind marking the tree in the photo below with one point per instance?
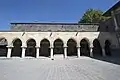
(92, 16)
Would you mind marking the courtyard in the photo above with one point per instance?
(83, 68)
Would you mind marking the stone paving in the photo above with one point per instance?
(83, 68)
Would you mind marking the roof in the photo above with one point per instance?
(108, 12)
(56, 23)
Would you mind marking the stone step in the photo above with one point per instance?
(58, 56)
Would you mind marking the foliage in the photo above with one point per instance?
(92, 16)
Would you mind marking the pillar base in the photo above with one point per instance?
(9, 51)
(65, 52)
(78, 52)
(91, 52)
(23, 51)
(37, 54)
(103, 53)
(51, 53)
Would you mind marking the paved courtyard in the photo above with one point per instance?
(83, 68)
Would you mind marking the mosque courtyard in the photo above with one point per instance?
(83, 68)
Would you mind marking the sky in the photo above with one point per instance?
(47, 10)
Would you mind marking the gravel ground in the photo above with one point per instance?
(65, 69)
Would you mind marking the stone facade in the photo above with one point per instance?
(112, 24)
(68, 39)
(65, 27)
(52, 36)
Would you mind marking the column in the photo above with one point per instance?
(115, 21)
(23, 52)
(37, 54)
(78, 51)
(9, 51)
(51, 52)
(103, 52)
(91, 51)
(65, 52)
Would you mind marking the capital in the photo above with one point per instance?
(37, 46)
(23, 46)
(9, 46)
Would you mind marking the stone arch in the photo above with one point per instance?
(58, 46)
(45, 47)
(86, 40)
(3, 47)
(13, 40)
(97, 49)
(107, 41)
(71, 47)
(58, 38)
(75, 40)
(31, 48)
(16, 50)
(29, 40)
(107, 47)
(85, 47)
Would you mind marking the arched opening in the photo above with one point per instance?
(107, 48)
(97, 49)
(3, 47)
(58, 47)
(44, 48)
(17, 50)
(84, 48)
(71, 48)
(31, 50)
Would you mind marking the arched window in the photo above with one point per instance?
(44, 48)
(58, 47)
(31, 50)
(97, 50)
(85, 49)
(17, 50)
(3, 47)
(71, 47)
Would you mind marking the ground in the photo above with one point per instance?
(83, 68)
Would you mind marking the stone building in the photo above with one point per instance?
(114, 21)
(51, 39)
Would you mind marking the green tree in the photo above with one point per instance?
(92, 16)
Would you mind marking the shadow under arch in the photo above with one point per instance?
(45, 48)
(16, 50)
(97, 49)
(31, 48)
(71, 47)
(107, 47)
(3, 47)
(58, 47)
(115, 57)
(84, 47)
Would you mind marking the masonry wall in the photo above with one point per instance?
(53, 27)
(64, 36)
(107, 26)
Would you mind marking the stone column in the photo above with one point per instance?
(78, 51)
(37, 49)
(115, 21)
(103, 52)
(91, 51)
(51, 53)
(65, 52)
(23, 51)
(9, 51)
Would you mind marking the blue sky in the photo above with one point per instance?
(47, 10)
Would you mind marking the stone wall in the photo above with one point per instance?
(53, 27)
(64, 36)
(107, 26)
